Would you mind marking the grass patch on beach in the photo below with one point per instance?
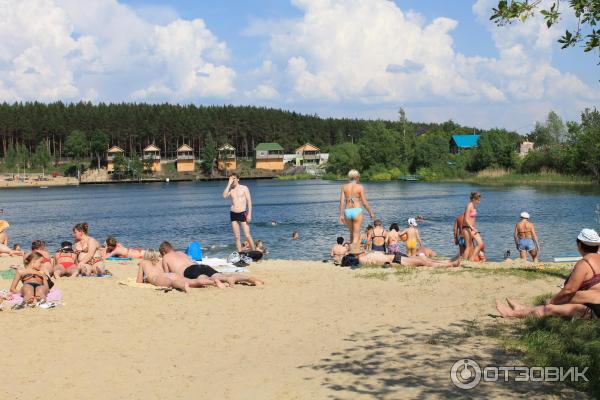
(527, 273)
(382, 276)
(555, 342)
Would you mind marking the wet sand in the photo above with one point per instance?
(314, 331)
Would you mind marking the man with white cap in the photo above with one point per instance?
(526, 238)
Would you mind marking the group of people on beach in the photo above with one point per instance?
(165, 268)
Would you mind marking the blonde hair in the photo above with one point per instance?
(152, 255)
(353, 175)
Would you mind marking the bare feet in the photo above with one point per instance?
(219, 284)
(256, 281)
(186, 287)
(231, 282)
(505, 310)
(515, 305)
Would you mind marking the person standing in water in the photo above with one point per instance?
(469, 229)
(241, 210)
(352, 201)
(526, 238)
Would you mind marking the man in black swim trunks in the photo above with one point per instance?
(241, 210)
(198, 275)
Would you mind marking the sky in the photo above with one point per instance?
(437, 59)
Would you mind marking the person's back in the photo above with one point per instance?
(177, 262)
(525, 229)
(379, 237)
(353, 194)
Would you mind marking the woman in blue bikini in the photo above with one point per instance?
(352, 201)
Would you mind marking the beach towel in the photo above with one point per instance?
(131, 282)
(54, 296)
(119, 259)
(222, 265)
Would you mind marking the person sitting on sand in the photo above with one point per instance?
(338, 251)
(426, 252)
(179, 263)
(378, 237)
(115, 249)
(392, 240)
(526, 238)
(413, 240)
(65, 261)
(377, 258)
(459, 240)
(34, 281)
(260, 246)
(584, 277)
(7, 251)
(151, 271)
(246, 245)
(39, 246)
(87, 249)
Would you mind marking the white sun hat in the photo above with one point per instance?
(525, 215)
(589, 237)
(412, 222)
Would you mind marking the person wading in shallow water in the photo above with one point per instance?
(241, 210)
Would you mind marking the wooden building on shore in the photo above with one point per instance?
(186, 162)
(269, 156)
(226, 158)
(151, 157)
(110, 157)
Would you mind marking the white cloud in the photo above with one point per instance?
(372, 52)
(102, 49)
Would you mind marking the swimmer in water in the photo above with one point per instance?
(295, 235)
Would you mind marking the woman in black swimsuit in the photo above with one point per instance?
(34, 281)
(378, 237)
(580, 295)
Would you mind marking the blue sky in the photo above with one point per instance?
(346, 58)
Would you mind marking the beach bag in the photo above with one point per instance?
(350, 260)
(253, 254)
(194, 251)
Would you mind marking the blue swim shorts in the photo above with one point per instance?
(526, 245)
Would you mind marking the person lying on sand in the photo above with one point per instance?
(338, 251)
(571, 300)
(378, 258)
(426, 252)
(151, 271)
(179, 263)
(34, 281)
(65, 261)
(115, 249)
(7, 251)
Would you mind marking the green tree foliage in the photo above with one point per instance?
(209, 155)
(430, 150)
(497, 148)
(587, 142)
(379, 147)
(41, 158)
(136, 166)
(344, 157)
(120, 164)
(587, 13)
(98, 144)
(76, 145)
(10, 160)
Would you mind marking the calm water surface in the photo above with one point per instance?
(143, 215)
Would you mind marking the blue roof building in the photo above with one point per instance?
(459, 143)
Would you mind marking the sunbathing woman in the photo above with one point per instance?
(378, 258)
(352, 201)
(34, 281)
(116, 249)
(39, 246)
(572, 300)
(151, 271)
(469, 229)
(65, 261)
(87, 250)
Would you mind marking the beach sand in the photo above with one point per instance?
(314, 331)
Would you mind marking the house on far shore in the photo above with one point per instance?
(152, 153)
(110, 156)
(186, 162)
(459, 143)
(226, 159)
(308, 154)
(269, 156)
(525, 148)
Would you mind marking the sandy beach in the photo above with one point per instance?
(314, 331)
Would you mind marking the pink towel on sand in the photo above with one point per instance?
(53, 295)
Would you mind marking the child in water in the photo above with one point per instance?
(413, 238)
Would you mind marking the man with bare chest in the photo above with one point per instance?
(241, 210)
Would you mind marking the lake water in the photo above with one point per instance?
(144, 215)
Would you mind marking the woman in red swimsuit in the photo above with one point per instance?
(65, 261)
